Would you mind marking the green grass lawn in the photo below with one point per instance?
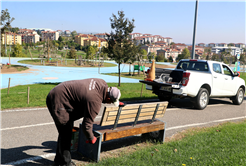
(17, 96)
(219, 146)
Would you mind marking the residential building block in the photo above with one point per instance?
(11, 38)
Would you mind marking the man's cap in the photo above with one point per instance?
(115, 95)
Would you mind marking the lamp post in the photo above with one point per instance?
(194, 32)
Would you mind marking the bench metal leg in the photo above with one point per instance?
(91, 151)
(157, 135)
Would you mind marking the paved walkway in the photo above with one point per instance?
(52, 74)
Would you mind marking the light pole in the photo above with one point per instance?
(194, 32)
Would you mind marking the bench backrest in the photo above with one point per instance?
(132, 113)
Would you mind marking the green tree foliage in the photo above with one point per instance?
(72, 53)
(230, 44)
(90, 52)
(73, 33)
(14, 30)
(215, 57)
(184, 55)
(61, 39)
(160, 57)
(3, 54)
(17, 51)
(119, 45)
(5, 20)
(170, 59)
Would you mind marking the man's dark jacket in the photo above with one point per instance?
(72, 100)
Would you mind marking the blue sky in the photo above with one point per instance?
(217, 22)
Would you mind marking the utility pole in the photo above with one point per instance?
(194, 33)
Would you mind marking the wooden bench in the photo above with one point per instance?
(120, 122)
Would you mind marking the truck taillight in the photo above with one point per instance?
(185, 78)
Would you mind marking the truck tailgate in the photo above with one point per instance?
(172, 85)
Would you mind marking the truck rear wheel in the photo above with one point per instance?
(238, 99)
(202, 99)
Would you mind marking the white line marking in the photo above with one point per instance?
(17, 110)
(199, 124)
(23, 161)
(21, 127)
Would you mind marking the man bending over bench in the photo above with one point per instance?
(72, 100)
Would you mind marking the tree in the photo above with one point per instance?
(184, 55)
(119, 45)
(160, 57)
(90, 52)
(72, 53)
(5, 20)
(61, 39)
(73, 33)
(17, 52)
(170, 59)
(5, 25)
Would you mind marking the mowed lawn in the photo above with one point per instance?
(222, 145)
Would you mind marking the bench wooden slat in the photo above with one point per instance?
(149, 114)
(129, 120)
(129, 112)
(130, 131)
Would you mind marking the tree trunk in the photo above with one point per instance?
(129, 68)
(138, 67)
(119, 73)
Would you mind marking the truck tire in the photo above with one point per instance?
(202, 99)
(165, 98)
(238, 99)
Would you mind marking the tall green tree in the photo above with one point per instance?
(90, 52)
(17, 51)
(184, 55)
(72, 53)
(5, 25)
(6, 20)
(120, 45)
(73, 33)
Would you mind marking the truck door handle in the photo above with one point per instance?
(215, 77)
(226, 78)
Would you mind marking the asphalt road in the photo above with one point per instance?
(28, 136)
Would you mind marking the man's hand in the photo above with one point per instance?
(92, 141)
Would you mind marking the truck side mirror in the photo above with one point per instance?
(236, 74)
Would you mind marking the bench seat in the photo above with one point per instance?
(120, 122)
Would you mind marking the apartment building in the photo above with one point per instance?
(201, 44)
(169, 52)
(67, 32)
(80, 38)
(101, 35)
(51, 35)
(212, 45)
(60, 32)
(222, 45)
(233, 50)
(29, 36)
(11, 38)
(240, 45)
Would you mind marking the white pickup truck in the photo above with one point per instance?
(199, 80)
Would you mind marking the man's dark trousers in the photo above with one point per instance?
(63, 155)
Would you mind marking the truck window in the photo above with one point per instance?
(227, 71)
(191, 65)
(217, 68)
